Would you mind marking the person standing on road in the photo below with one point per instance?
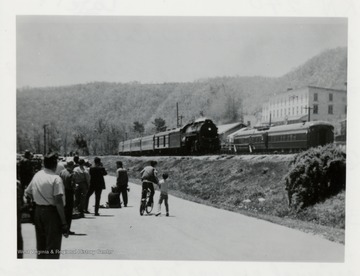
(82, 182)
(163, 183)
(47, 191)
(122, 181)
(20, 204)
(67, 178)
(97, 184)
(76, 160)
(149, 179)
(60, 167)
(25, 169)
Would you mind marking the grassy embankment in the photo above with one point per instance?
(252, 186)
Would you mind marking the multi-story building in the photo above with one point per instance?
(309, 103)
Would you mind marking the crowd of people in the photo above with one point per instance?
(61, 190)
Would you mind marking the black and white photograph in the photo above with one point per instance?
(210, 142)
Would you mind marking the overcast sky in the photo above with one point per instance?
(62, 50)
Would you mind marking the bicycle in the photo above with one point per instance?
(144, 206)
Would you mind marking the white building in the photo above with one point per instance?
(309, 103)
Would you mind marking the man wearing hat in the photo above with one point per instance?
(69, 185)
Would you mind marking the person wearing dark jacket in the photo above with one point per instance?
(20, 204)
(25, 170)
(122, 182)
(97, 183)
(149, 179)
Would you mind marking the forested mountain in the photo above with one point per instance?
(94, 117)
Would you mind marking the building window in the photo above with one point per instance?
(345, 109)
(330, 97)
(330, 109)
(315, 110)
(315, 97)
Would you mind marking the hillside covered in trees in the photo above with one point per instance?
(92, 118)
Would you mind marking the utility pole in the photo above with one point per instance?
(177, 114)
(308, 108)
(270, 119)
(178, 118)
(44, 126)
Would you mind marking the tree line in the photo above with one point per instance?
(93, 118)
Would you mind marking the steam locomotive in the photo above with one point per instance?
(198, 137)
(284, 138)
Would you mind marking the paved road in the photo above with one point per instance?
(191, 232)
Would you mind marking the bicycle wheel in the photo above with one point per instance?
(148, 207)
(142, 207)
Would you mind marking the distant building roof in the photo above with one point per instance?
(240, 131)
(224, 128)
(292, 90)
(326, 88)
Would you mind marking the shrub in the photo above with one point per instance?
(315, 175)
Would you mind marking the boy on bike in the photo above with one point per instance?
(149, 178)
(163, 194)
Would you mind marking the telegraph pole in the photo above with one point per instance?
(308, 108)
(44, 126)
(270, 119)
(178, 117)
(177, 114)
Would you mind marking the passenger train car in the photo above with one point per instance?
(198, 137)
(284, 138)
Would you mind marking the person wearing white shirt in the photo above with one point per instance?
(163, 183)
(47, 191)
